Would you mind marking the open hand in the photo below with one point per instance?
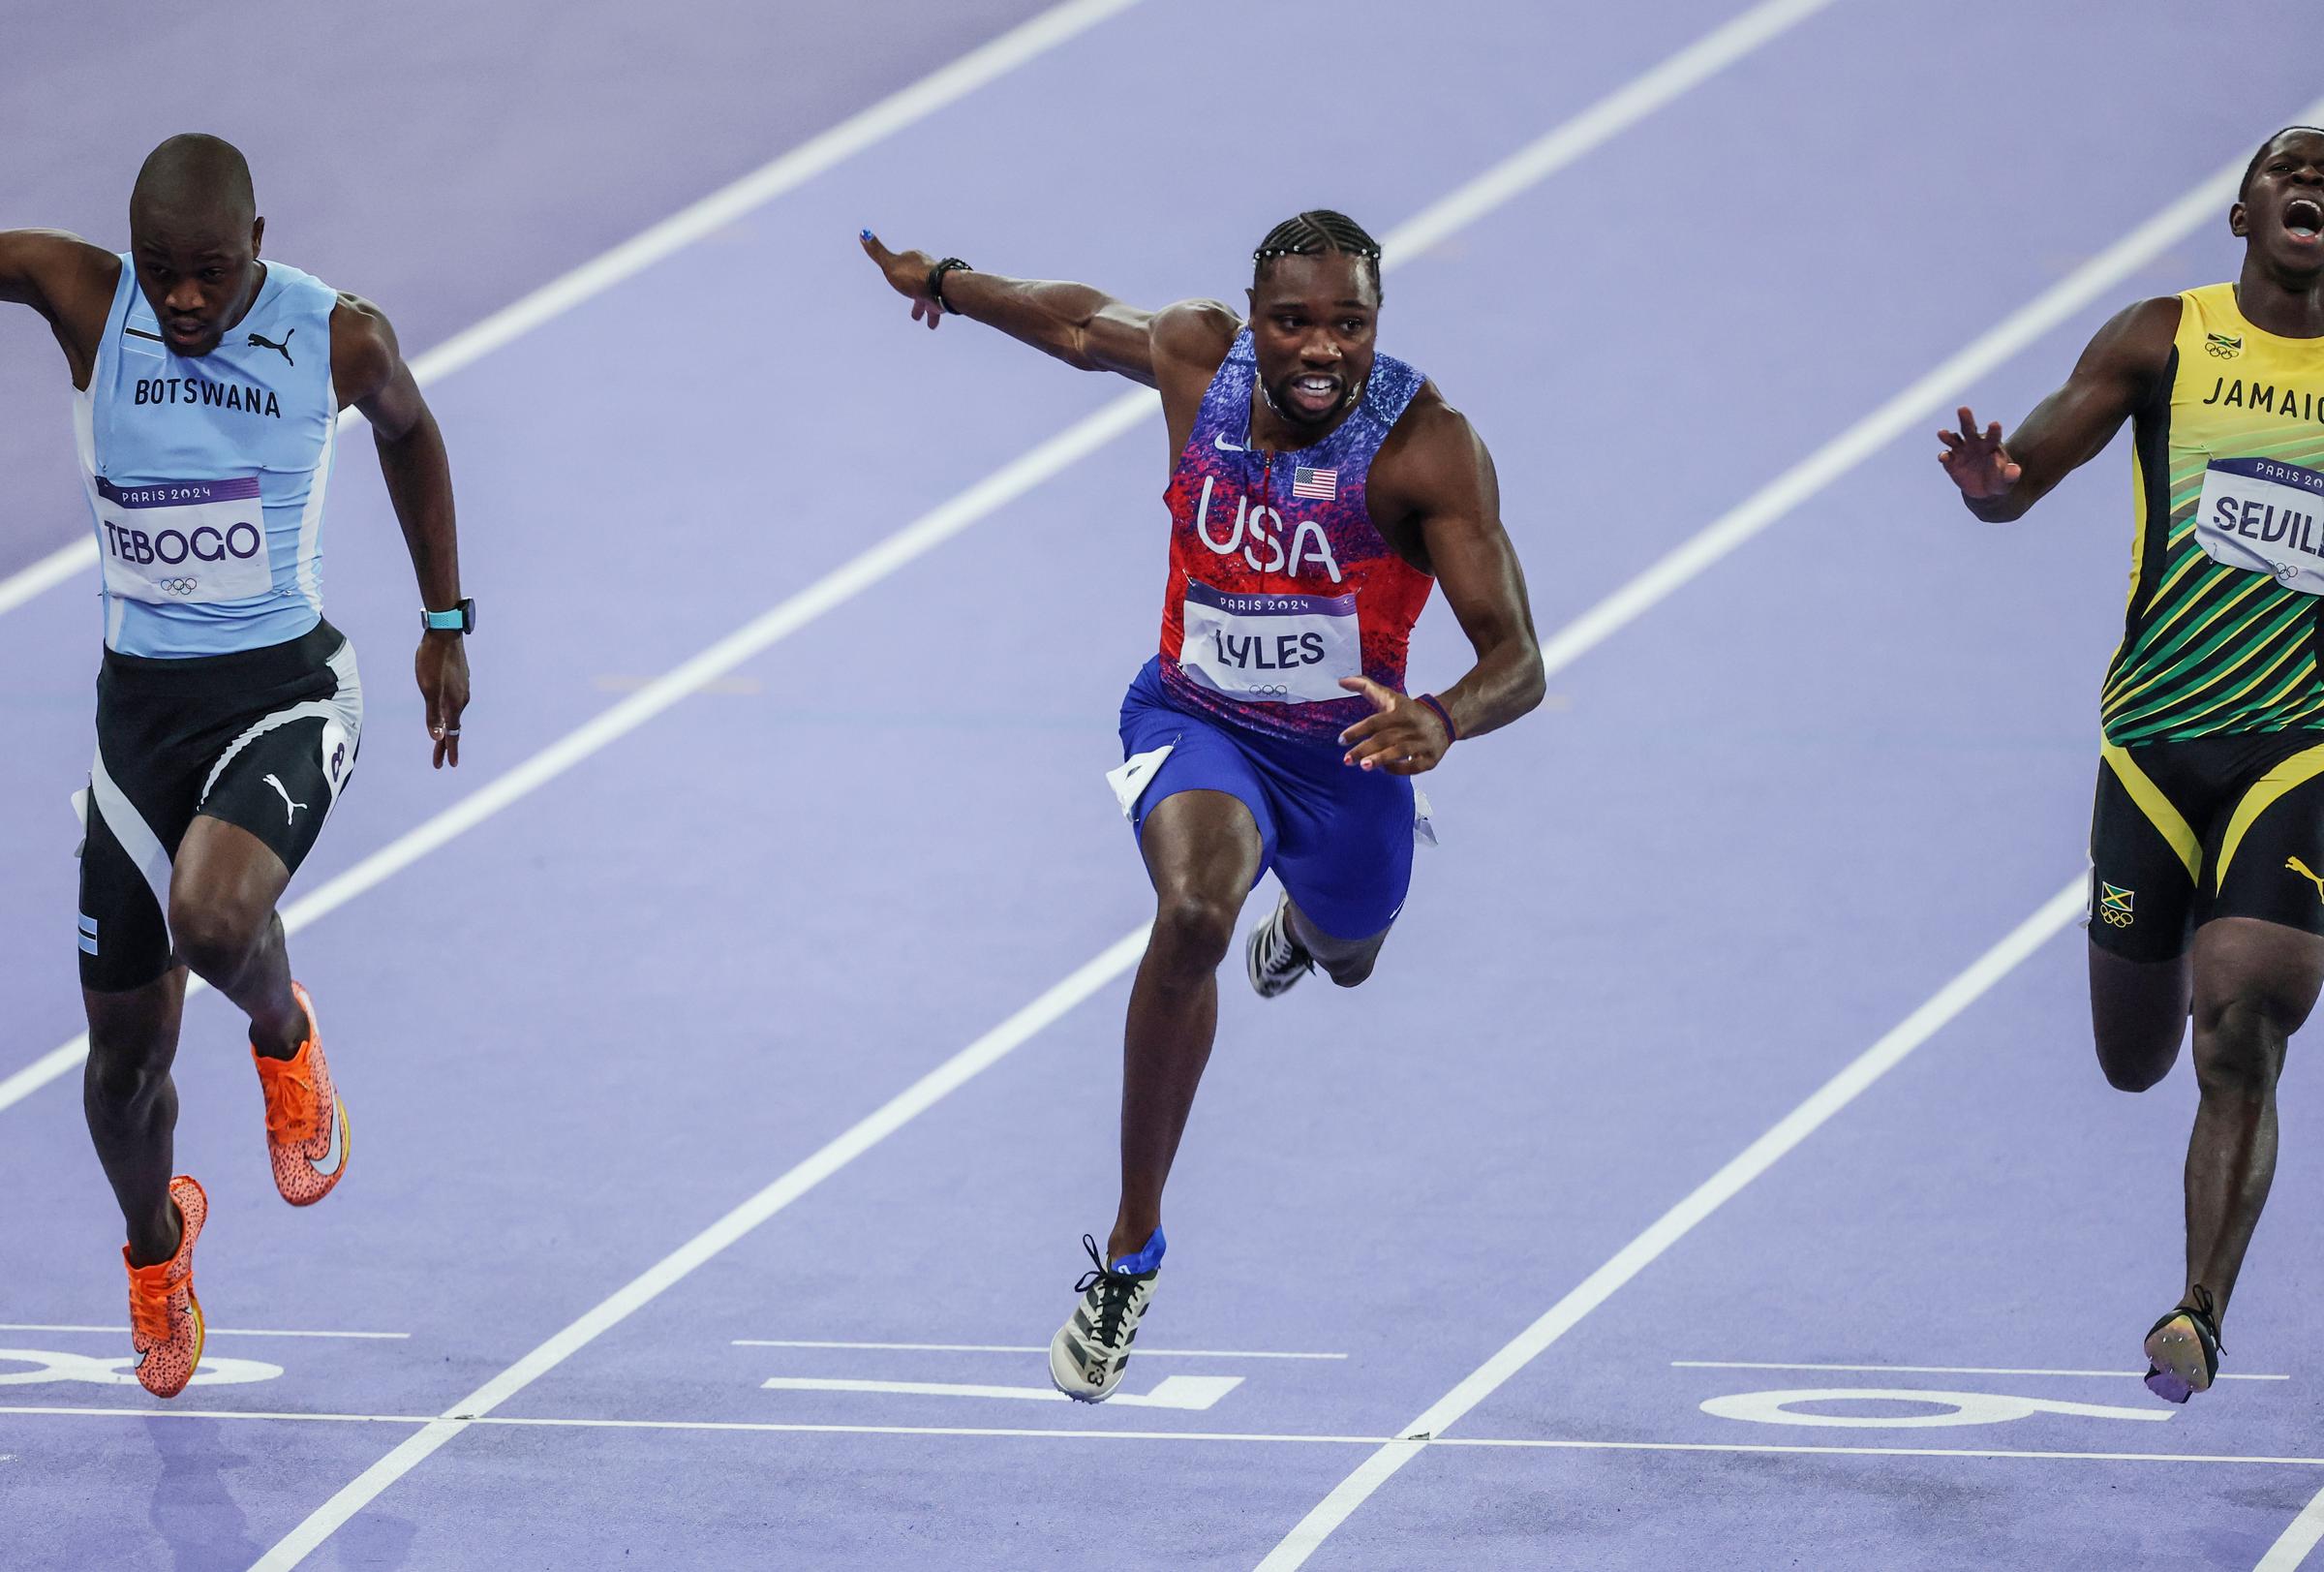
(1978, 462)
(1402, 736)
(907, 275)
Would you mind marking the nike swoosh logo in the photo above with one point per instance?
(331, 1159)
(1220, 443)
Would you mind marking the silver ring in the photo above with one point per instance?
(452, 731)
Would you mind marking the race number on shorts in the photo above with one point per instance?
(1270, 649)
(188, 542)
(2265, 516)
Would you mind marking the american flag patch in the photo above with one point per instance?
(1321, 484)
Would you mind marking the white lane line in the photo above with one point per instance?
(1192, 1394)
(1939, 1370)
(1908, 410)
(1676, 1223)
(1008, 1349)
(1505, 180)
(59, 566)
(2299, 1537)
(895, 112)
(835, 588)
(1536, 162)
(1064, 1433)
(214, 1331)
(1923, 399)
(173, 1411)
(641, 1290)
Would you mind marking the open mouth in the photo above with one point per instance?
(186, 332)
(1315, 392)
(2304, 218)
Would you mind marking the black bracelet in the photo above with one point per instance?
(935, 282)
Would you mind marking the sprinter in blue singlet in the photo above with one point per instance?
(209, 385)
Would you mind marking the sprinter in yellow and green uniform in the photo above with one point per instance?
(2207, 841)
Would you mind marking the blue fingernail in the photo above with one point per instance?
(867, 235)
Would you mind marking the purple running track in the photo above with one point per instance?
(1747, 837)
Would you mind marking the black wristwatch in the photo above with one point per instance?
(461, 618)
(936, 281)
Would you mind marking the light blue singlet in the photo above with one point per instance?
(206, 476)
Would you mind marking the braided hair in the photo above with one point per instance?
(1312, 233)
(2252, 168)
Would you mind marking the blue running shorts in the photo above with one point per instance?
(1339, 839)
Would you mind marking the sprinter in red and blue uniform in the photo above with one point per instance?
(1319, 490)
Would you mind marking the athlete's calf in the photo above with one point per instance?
(1347, 962)
(131, 1104)
(2255, 983)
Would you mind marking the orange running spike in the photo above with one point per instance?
(308, 1137)
(164, 1318)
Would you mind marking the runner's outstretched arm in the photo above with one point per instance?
(369, 372)
(1087, 328)
(1442, 466)
(2117, 372)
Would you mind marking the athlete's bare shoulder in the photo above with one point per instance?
(2136, 341)
(1431, 442)
(66, 280)
(1189, 341)
(1433, 466)
(53, 269)
(1194, 336)
(364, 353)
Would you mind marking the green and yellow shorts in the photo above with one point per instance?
(2183, 832)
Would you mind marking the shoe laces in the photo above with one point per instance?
(293, 1107)
(149, 1306)
(2205, 1313)
(1278, 950)
(1113, 1293)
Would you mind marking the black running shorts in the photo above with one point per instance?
(2183, 832)
(263, 739)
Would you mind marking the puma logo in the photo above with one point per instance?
(290, 809)
(261, 341)
(2295, 865)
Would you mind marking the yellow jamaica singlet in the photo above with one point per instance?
(2222, 627)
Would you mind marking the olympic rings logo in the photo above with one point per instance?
(53, 1366)
(2220, 351)
(2120, 919)
(177, 586)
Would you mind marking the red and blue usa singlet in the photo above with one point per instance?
(1279, 585)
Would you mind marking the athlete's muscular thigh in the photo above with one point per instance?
(1202, 851)
(2138, 1015)
(2147, 860)
(224, 887)
(1204, 844)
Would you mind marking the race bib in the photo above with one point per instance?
(1270, 649)
(2265, 516)
(190, 541)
